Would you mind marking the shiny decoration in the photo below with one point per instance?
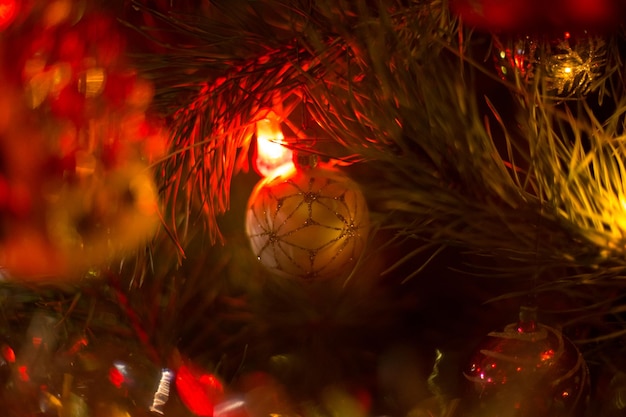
(308, 222)
(199, 391)
(162, 394)
(78, 191)
(529, 369)
(566, 66)
(117, 377)
(82, 379)
(271, 153)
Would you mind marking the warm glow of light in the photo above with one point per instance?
(8, 11)
(200, 392)
(547, 355)
(23, 372)
(271, 155)
(8, 354)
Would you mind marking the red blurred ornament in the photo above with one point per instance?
(69, 104)
(116, 377)
(8, 11)
(524, 15)
(528, 370)
(199, 391)
(494, 14)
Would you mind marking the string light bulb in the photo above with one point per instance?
(272, 156)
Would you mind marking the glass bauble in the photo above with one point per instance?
(564, 66)
(527, 370)
(308, 222)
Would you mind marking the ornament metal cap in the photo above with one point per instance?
(305, 160)
(527, 319)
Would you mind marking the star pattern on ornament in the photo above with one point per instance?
(575, 69)
(327, 214)
(568, 66)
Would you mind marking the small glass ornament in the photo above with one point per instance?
(309, 222)
(528, 370)
(567, 66)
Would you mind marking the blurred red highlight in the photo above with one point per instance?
(8, 12)
(116, 377)
(200, 392)
(8, 354)
(23, 373)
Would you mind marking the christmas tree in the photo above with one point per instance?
(312, 208)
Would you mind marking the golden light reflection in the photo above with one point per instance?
(91, 83)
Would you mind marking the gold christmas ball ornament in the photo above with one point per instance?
(566, 66)
(309, 222)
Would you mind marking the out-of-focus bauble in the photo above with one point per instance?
(565, 66)
(114, 212)
(527, 370)
(76, 188)
(308, 222)
(520, 15)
